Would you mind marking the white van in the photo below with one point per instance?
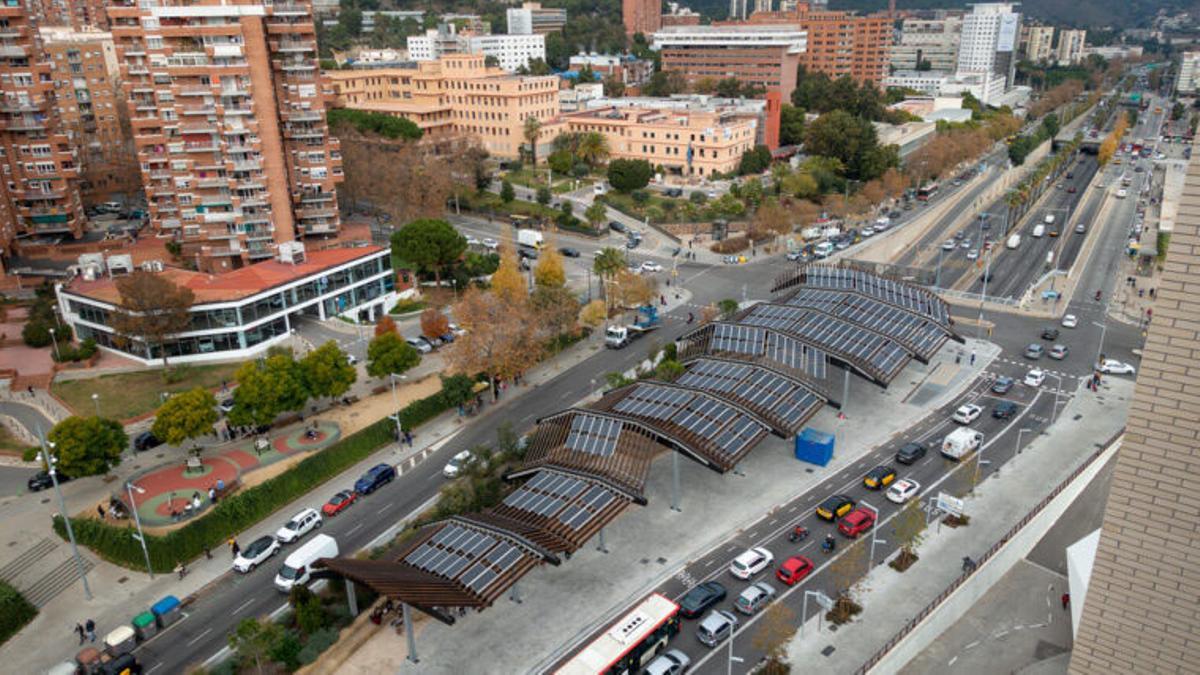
(1039, 230)
(1014, 241)
(823, 249)
(599, 188)
(297, 569)
(1050, 220)
(961, 442)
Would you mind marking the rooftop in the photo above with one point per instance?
(235, 285)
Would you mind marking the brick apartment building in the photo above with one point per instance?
(761, 54)
(77, 14)
(228, 112)
(641, 16)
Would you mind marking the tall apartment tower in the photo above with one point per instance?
(641, 16)
(40, 166)
(990, 33)
(227, 106)
(78, 14)
(1140, 614)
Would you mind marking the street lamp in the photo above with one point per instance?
(54, 308)
(50, 460)
(1017, 447)
(96, 400)
(395, 402)
(1054, 413)
(875, 512)
(978, 465)
(140, 536)
(55, 342)
(732, 658)
(1103, 327)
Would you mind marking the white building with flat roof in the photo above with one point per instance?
(1189, 73)
(512, 51)
(932, 41)
(989, 41)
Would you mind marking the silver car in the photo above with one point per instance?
(420, 345)
(716, 627)
(754, 598)
(670, 662)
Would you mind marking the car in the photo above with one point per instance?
(457, 463)
(1071, 190)
(301, 524)
(987, 277)
(948, 245)
(569, 252)
(375, 478)
(456, 330)
(339, 502)
(909, 453)
(1058, 352)
(1059, 186)
(904, 490)
(616, 227)
(879, 477)
(716, 627)
(1080, 228)
(1035, 377)
(1053, 232)
(711, 194)
(145, 441)
(256, 553)
(856, 522)
(834, 507)
(1034, 351)
(670, 662)
(967, 413)
(472, 241)
(795, 256)
(1115, 367)
(973, 254)
(700, 598)
(226, 406)
(965, 245)
(1004, 410)
(420, 345)
(794, 570)
(491, 244)
(527, 253)
(633, 243)
(895, 215)
(1070, 321)
(1050, 334)
(755, 597)
(1002, 385)
(651, 266)
(42, 481)
(1122, 193)
(751, 562)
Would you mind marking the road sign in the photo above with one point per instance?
(949, 504)
(823, 600)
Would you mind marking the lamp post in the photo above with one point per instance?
(396, 402)
(1103, 327)
(978, 465)
(875, 512)
(1017, 447)
(54, 308)
(1054, 413)
(96, 400)
(50, 460)
(140, 536)
(54, 341)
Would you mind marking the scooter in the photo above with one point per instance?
(828, 545)
(798, 533)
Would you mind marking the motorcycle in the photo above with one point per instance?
(829, 545)
(798, 533)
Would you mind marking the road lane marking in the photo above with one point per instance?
(354, 529)
(244, 605)
(199, 637)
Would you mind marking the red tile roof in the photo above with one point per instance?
(235, 285)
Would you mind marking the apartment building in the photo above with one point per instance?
(531, 18)
(641, 16)
(1070, 46)
(989, 40)
(1037, 43)
(766, 55)
(40, 165)
(84, 66)
(626, 68)
(687, 143)
(456, 95)
(927, 44)
(512, 52)
(1189, 73)
(77, 14)
(228, 114)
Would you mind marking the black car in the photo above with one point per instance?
(633, 243)
(1050, 334)
(910, 453)
(700, 598)
(42, 481)
(986, 277)
(145, 441)
(1004, 410)
(615, 226)
(1002, 385)
(529, 253)
(569, 252)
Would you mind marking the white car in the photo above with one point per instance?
(1122, 193)
(972, 254)
(457, 463)
(1070, 321)
(651, 266)
(472, 241)
(491, 243)
(1115, 367)
(1035, 377)
(967, 413)
(903, 490)
(301, 524)
(751, 562)
(256, 553)
(352, 359)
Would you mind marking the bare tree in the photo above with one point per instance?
(152, 309)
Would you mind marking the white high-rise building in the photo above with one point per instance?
(1189, 73)
(933, 42)
(989, 41)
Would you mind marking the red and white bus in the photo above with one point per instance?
(630, 643)
(927, 191)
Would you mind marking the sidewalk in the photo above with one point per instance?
(1002, 500)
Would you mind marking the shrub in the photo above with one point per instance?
(731, 245)
(317, 642)
(287, 651)
(36, 334)
(15, 611)
(407, 305)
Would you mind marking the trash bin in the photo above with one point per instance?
(167, 611)
(145, 625)
(120, 641)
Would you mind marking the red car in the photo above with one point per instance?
(339, 502)
(794, 569)
(856, 522)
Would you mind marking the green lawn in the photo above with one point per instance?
(562, 184)
(671, 207)
(9, 444)
(126, 395)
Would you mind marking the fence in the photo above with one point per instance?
(962, 578)
(975, 297)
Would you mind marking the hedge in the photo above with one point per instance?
(15, 611)
(249, 506)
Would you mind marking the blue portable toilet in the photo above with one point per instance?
(815, 447)
(167, 611)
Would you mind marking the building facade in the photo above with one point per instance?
(1070, 46)
(641, 16)
(765, 55)
(40, 164)
(1140, 613)
(1037, 43)
(679, 16)
(87, 92)
(630, 70)
(531, 18)
(989, 41)
(242, 313)
(1189, 73)
(77, 14)
(932, 42)
(456, 95)
(228, 113)
(512, 52)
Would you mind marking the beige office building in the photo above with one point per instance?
(1142, 609)
(1038, 43)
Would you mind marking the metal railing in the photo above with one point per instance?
(983, 559)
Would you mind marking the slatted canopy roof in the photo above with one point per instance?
(906, 296)
(783, 400)
(920, 336)
(593, 445)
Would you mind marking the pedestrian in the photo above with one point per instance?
(972, 357)
(30, 390)
(207, 553)
(79, 632)
(90, 627)
(100, 510)
(1066, 601)
(408, 438)
(233, 547)
(212, 494)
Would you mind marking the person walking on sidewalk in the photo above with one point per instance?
(90, 627)
(1066, 601)
(233, 547)
(972, 357)
(79, 631)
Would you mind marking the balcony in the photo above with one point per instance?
(195, 91)
(247, 165)
(221, 235)
(139, 70)
(25, 125)
(200, 147)
(222, 252)
(308, 213)
(303, 116)
(205, 110)
(320, 228)
(204, 128)
(259, 234)
(239, 111)
(19, 106)
(293, 46)
(13, 52)
(257, 253)
(289, 10)
(218, 182)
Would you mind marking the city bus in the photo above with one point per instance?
(927, 191)
(629, 644)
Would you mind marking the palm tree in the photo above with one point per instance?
(593, 148)
(532, 127)
(607, 263)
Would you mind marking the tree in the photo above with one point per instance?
(754, 161)
(845, 571)
(728, 307)
(593, 148)
(389, 354)
(851, 140)
(555, 309)
(385, 325)
(87, 446)
(429, 244)
(596, 214)
(549, 272)
(1050, 125)
(909, 527)
(507, 193)
(773, 635)
(531, 131)
(544, 195)
(266, 389)
(606, 264)
(152, 309)
(507, 282)
(665, 83)
(500, 339)
(327, 371)
(791, 125)
(560, 162)
(434, 323)
(253, 640)
(614, 87)
(186, 416)
(633, 290)
(627, 175)
(771, 218)
(593, 314)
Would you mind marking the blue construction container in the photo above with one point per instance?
(814, 447)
